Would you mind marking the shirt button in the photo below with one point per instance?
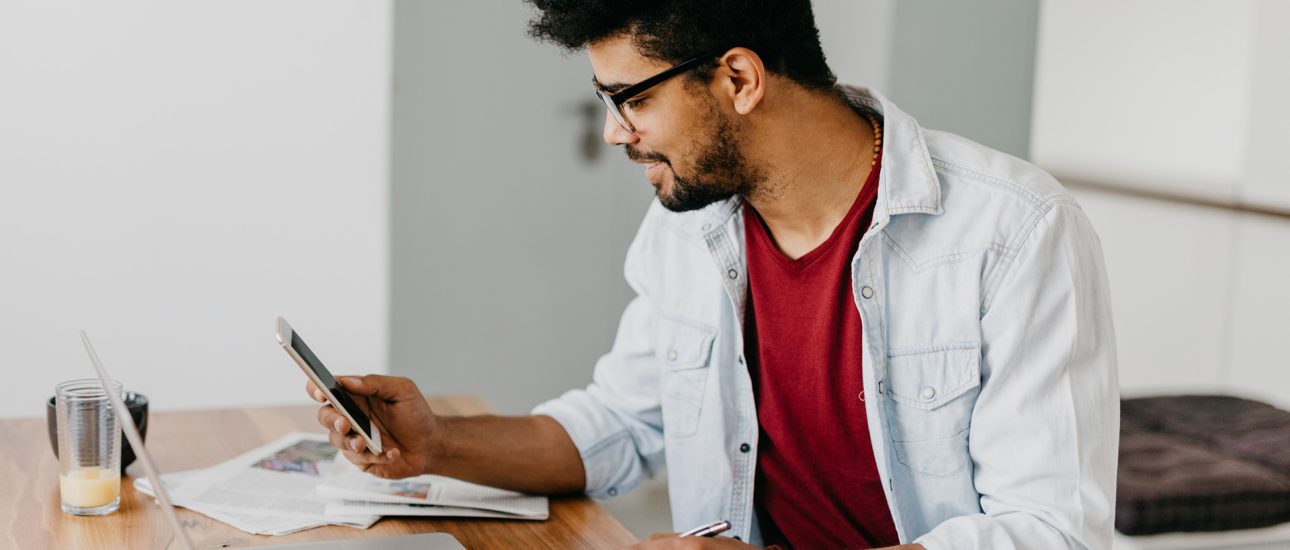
(671, 355)
(741, 359)
(867, 292)
(613, 491)
(733, 274)
(929, 392)
(745, 448)
(862, 395)
(707, 226)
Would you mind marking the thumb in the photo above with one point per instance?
(389, 388)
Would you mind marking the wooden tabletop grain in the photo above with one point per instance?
(30, 516)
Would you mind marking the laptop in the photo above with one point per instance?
(423, 541)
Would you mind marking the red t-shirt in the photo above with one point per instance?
(817, 484)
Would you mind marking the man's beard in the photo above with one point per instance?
(721, 171)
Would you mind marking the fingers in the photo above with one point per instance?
(355, 385)
(352, 444)
(314, 393)
(355, 450)
(332, 420)
(390, 456)
(389, 388)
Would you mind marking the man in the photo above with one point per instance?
(849, 331)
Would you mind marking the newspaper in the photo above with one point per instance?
(353, 492)
(298, 483)
(269, 490)
(251, 523)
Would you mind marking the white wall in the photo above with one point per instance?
(175, 174)
(1185, 97)
(1256, 363)
(1268, 132)
(1153, 93)
(1169, 293)
(1199, 297)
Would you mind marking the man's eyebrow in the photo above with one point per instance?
(608, 88)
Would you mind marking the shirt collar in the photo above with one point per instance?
(907, 183)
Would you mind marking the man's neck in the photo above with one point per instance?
(817, 153)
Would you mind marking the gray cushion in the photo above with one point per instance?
(1202, 463)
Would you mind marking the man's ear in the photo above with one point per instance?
(741, 77)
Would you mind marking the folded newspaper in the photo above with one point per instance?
(277, 489)
(354, 492)
(258, 524)
(266, 491)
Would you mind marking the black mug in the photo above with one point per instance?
(137, 403)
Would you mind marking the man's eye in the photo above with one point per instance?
(634, 104)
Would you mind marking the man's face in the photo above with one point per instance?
(689, 144)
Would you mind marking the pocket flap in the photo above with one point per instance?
(931, 376)
(683, 344)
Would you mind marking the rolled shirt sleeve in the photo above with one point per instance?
(616, 422)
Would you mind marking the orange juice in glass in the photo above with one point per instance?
(89, 448)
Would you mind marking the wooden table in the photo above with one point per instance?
(30, 516)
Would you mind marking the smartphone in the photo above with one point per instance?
(340, 400)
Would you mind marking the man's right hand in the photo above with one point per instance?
(530, 454)
(397, 408)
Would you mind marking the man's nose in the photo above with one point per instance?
(615, 134)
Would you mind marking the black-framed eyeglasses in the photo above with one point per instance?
(615, 100)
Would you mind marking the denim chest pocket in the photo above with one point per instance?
(930, 393)
(685, 349)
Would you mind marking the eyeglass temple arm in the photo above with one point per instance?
(625, 94)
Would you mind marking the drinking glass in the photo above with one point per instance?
(89, 448)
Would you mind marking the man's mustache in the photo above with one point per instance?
(638, 156)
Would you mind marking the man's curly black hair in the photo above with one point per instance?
(782, 32)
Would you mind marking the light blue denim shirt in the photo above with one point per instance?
(989, 356)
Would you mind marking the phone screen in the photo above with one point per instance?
(330, 381)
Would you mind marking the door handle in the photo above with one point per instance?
(589, 144)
